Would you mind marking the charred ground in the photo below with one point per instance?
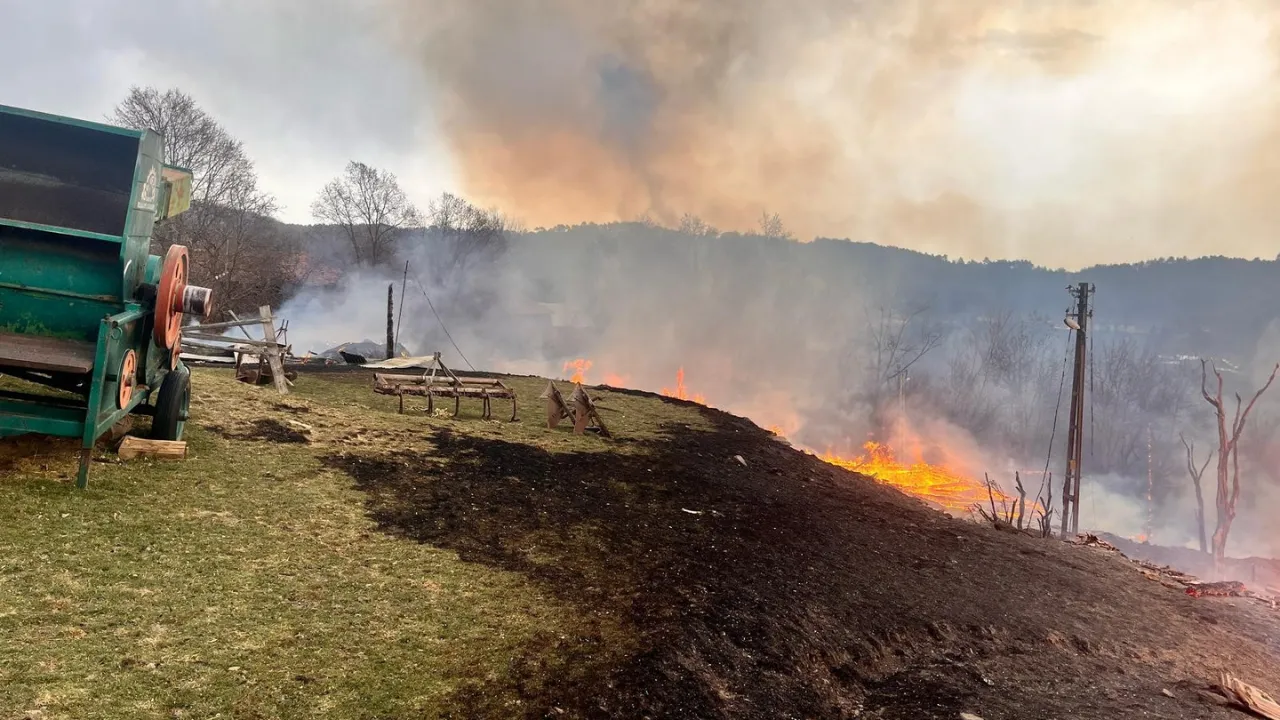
(778, 586)
(321, 555)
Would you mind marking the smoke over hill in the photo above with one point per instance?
(799, 335)
(1068, 132)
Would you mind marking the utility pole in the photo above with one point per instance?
(1078, 321)
(391, 321)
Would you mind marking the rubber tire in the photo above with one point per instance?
(172, 405)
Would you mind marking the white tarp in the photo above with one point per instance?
(422, 362)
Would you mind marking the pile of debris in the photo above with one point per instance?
(209, 343)
(1178, 580)
(362, 353)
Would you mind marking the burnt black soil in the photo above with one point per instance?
(266, 429)
(1258, 574)
(792, 589)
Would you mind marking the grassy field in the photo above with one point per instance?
(321, 556)
(248, 581)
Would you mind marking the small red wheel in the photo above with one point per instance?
(128, 378)
(173, 283)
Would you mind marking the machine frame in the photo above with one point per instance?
(91, 314)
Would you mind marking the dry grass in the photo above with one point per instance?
(248, 580)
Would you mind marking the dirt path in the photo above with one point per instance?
(789, 588)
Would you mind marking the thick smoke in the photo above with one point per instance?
(1068, 132)
(786, 334)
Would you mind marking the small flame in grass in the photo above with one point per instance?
(937, 484)
(681, 393)
(617, 381)
(579, 368)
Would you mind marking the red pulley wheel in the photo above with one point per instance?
(173, 282)
(128, 378)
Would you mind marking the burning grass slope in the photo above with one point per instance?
(395, 566)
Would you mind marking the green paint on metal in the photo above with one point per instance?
(37, 227)
(35, 328)
(73, 260)
(87, 124)
(19, 417)
(32, 290)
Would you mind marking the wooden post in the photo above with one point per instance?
(273, 351)
(391, 321)
(1075, 427)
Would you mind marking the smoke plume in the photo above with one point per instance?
(1065, 132)
(1068, 132)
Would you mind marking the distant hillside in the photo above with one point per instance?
(1213, 305)
(1188, 303)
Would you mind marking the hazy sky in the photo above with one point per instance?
(1069, 132)
(306, 84)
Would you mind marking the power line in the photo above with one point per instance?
(1057, 410)
(1091, 434)
(442, 325)
(403, 284)
(1093, 497)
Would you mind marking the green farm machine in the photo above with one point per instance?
(86, 311)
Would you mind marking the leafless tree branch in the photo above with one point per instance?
(371, 210)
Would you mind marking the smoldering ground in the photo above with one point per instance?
(791, 335)
(1067, 132)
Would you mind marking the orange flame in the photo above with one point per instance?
(940, 485)
(579, 368)
(681, 393)
(936, 484)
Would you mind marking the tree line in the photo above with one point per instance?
(240, 250)
(935, 334)
(1004, 380)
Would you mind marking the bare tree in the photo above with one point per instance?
(1133, 387)
(192, 140)
(371, 210)
(997, 380)
(461, 234)
(645, 219)
(880, 359)
(1196, 474)
(771, 226)
(899, 341)
(235, 246)
(1228, 455)
(696, 226)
